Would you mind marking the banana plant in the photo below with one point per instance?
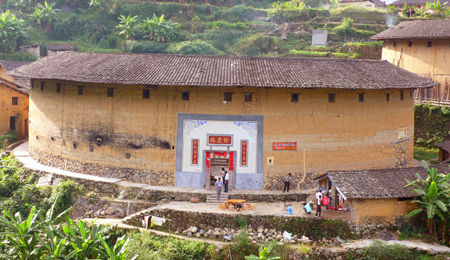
(158, 29)
(128, 26)
(435, 196)
(19, 237)
(264, 253)
(118, 252)
(45, 15)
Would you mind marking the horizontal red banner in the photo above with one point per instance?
(285, 145)
(219, 139)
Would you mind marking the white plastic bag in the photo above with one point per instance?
(287, 235)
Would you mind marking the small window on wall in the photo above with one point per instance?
(227, 96)
(294, 97)
(15, 101)
(402, 133)
(248, 97)
(405, 199)
(185, 96)
(401, 95)
(409, 44)
(388, 97)
(110, 92)
(58, 87)
(361, 97)
(12, 123)
(331, 98)
(146, 94)
(42, 85)
(411, 94)
(395, 44)
(429, 44)
(80, 90)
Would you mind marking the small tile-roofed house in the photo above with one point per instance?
(415, 3)
(32, 48)
(422, 47)
(177, 119)
(53, 48)
(444, 150)
(376, 195)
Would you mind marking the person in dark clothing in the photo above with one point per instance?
(287, 181)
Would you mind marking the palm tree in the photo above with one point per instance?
(435, 197)
(158, 29)
(128, 26)
(11, 29)
(45, 15)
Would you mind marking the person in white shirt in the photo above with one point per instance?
(319, 208)
(226, 179)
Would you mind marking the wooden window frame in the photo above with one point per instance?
(42, 85)
(402, 96)
(248, 97)
(145, 94)
(395, 44)
(331, 97)
(294, 97)
(410, 44)
(388, 97)
(15, 101)
(362, 97)
(109, 92)
(429, 44)
(185, 96)
(58, 88)
(80, 90)
(228, 96)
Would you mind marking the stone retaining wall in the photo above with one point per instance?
(159, 178)
(85, 207)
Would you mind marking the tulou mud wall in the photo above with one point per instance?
(133, 138)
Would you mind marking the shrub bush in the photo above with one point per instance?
(308, 53)
(221, 39)
(11, 137)
(222, 24)
(146, 47)
(18, 56)
(195, 47)
(255, 44)
(379, 250)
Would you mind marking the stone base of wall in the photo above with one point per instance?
(85, 207)
(157, 178)
(275, 181)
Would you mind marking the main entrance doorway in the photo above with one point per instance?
(217, 164)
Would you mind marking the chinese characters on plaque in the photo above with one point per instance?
(285, 145)
(195, 151)
(219, 140)
(244, 148)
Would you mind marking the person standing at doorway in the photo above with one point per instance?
(219, 187)
(287, 181)
(319, 207)
(222, 173)
(225, 181)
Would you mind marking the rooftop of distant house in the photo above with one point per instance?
(413, 2)
(419, 29)
(445, 145)
(376, 2)
(59, 47)
(11, 65)
(30, 46)
(221, 71)
(380, 184)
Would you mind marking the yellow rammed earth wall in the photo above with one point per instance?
(381, 210)
(345, 135)
(7, 110)
(428, 62)
(5, 76)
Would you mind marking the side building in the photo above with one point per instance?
(177, 120)
(422, 47)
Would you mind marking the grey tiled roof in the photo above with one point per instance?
(380, 184)
(419, 29)
(11, 65)
(221, 71)
(59, 47)
(445, 145)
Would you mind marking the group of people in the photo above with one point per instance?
(219, 183)
(319, 203)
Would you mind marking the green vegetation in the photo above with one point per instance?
(425, 154)
(45, 15)
(255, 44)
(264, 253)
(434, 201)
(12, 30)
(308, 53)
(151, 247)
(158, 29)
(11, 137)
(194, 47)
(431, 125)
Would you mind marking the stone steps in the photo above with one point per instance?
(212, 199)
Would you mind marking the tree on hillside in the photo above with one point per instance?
(158, 29)
(437, 7)
(434, 201)
(11, 30)
(45, 15)
(128, 26)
